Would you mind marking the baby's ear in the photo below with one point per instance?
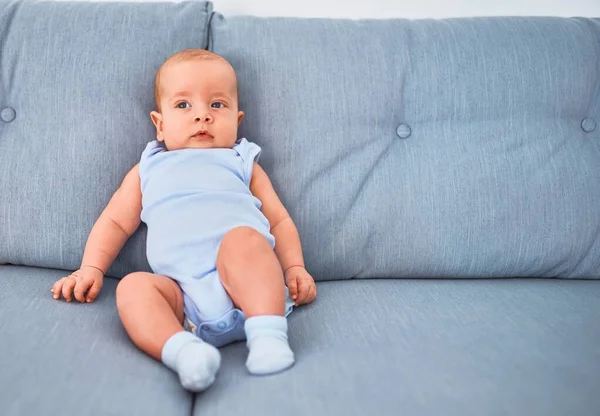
(240, 117)
(157, 120)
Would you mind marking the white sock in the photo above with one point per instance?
(269, 351)
(195, 362)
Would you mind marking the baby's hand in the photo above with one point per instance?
(87, 279)
(301, 285)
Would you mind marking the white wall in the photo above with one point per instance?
(411, 9)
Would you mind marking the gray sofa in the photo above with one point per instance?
(444, 176)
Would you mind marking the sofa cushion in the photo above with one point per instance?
(429, 347)
(435, 148)
(61, 358)
(74, 116)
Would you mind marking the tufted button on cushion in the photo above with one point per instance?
(403, 131)
(8, 114)
(588, 124)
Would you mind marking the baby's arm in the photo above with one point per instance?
(287, 247)
(116, 224)
(287, 241)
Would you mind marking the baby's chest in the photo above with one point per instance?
(180, 177)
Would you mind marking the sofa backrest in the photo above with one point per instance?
(426, 148)
(75, 98)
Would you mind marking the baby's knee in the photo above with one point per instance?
(242, 234)
(243, 238)
(128, 286)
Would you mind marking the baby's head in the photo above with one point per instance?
(196, 97)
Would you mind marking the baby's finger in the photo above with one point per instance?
(313, 292)
(67, 288)
(303, 289)
(93, 292)
(57, 288)
(80, 288)
(293, 287)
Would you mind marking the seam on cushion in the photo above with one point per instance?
(10, 11)
(591, 26)
(210, 35)
(195, 396)
(410, 40)
(208, 11)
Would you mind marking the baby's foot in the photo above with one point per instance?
(269, 355)
(196, 362)
(269, 351)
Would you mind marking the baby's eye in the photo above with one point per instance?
(217, 104)
(183, 104)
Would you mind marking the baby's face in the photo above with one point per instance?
(199, 106)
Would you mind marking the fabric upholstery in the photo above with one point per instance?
(426, 148)
(429, 347)
(75, 102)
(59, 358)
(462, 147)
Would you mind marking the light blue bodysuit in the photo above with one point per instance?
(191, 198)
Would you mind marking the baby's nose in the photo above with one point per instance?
(206, 118)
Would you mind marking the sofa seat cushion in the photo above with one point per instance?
(59, 358)
(429, 347)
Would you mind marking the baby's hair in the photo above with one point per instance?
(182, 56)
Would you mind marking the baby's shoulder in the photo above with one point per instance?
(247, 150)
(152, 148)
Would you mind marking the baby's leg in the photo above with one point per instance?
(252, 276)
(151, 309)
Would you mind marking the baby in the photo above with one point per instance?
(225, 253)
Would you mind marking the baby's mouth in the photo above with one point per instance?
(202, 135)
